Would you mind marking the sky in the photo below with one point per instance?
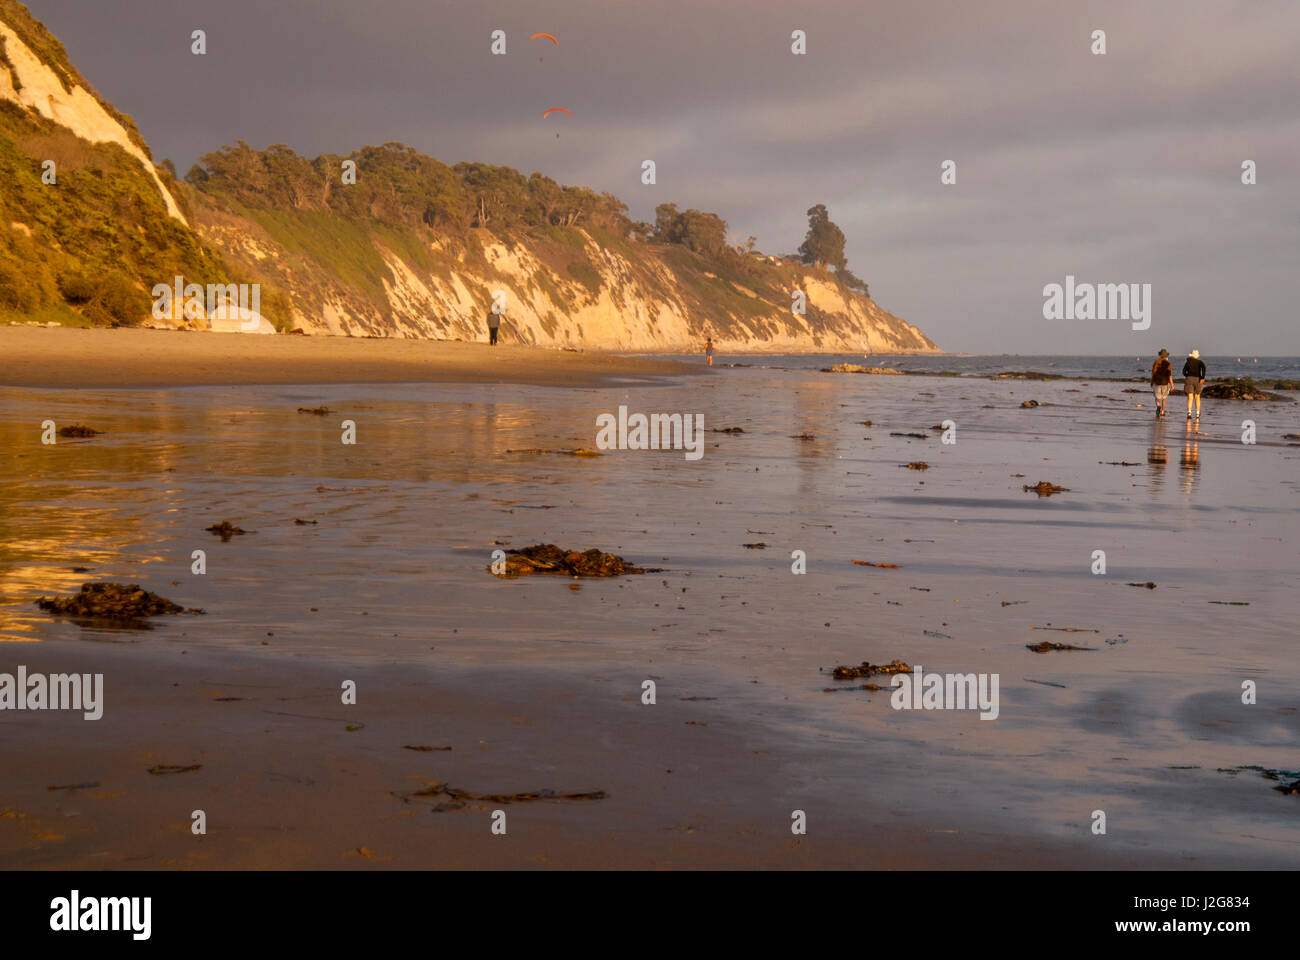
(1117, 168)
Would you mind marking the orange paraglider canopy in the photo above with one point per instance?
(553, 109)
(547, 36)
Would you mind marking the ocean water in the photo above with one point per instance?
(1107, 368)
(391, 562)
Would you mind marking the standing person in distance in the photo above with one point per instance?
(1162, 381)
(1193, 380)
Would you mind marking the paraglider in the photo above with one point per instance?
(547, 113)
(548, 37)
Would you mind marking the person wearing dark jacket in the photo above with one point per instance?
(1162, 381)
(1193, 380)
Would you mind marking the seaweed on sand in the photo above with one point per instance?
(77, 430)
(1045, 489)
(575, 452)
(1047, 645)
(111, 601)
(865, 669)
(225, 530)
(548, 558)
(459, 798)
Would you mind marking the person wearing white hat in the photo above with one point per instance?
(1193, 380)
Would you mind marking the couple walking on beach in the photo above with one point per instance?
(1162, 381)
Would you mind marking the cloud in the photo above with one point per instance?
(1123, 167)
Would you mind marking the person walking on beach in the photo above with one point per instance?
(708, 350)
(494, 324)
(1193, 380)
(1162, 381)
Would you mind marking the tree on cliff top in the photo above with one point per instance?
(824, 247)
(705, 233)
(824, 244)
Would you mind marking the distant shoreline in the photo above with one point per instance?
(97, 358)
(87, 358)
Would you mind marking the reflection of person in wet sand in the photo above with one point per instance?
(1191, 456)
(1158, 453)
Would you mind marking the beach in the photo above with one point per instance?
(369, 562)
(95, 357)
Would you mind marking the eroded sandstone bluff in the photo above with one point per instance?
(568, 267)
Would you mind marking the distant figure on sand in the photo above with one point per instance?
(494, 324)
(708, 350)
(1162, 381)
(1193, 380)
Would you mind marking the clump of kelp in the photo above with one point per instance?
(548, 558)
(1047, 645)
(77, 430)
(457, 798)
(574, 452)
(865, 669)
(225, 530)
(1045, 489)
(112, 601)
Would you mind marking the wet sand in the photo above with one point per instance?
(385, 583)
(88, 358)
(284, 782)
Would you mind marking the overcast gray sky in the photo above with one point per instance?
(1117, 168)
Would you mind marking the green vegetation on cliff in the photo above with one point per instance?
(338, 213)
(85, 240)
(96, 239)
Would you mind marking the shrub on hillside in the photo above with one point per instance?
(16, 293)
(110, 298)
(77, 286)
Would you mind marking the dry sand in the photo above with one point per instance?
(88, 358)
